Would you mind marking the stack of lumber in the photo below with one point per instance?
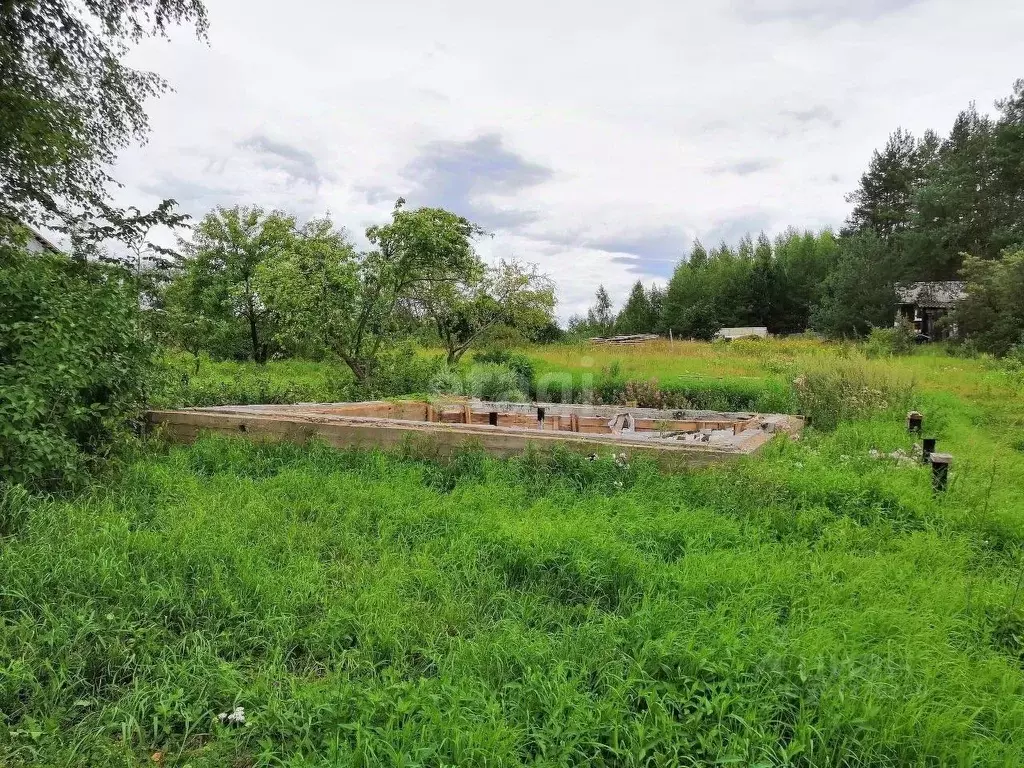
(637, 338)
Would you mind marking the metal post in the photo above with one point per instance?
(915, 422)
(927, 448)
(941, 462)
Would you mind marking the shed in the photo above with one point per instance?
(730, 334)
(923, 305)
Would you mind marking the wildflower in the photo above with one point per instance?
(235, 717)
(617, 483)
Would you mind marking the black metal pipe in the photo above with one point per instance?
(927, 449)
(941, 462)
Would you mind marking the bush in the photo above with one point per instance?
(448, 381)
(73, 365)
(496, 383)
(490, 381)
(182, 389)
(486, 381)
(402, 371)
(516, 361)
(891, 342)
(838, 390)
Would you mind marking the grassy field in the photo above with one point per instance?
(815, 605)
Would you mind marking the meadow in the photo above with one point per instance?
(814, 605)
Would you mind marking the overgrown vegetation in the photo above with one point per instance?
(816, 606)
(819, 605)
(73, 366)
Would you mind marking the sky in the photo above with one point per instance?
(595, 139)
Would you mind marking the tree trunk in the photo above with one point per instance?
(259, 353)
(358, 368)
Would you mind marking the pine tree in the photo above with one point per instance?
(637, 316)
(884, 201)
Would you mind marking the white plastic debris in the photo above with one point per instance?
(899, 456)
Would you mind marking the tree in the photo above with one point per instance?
(858, 293)
(352, 299)
(217, 274)
(638, 315)
(68, 104)
(600, 318)
(765, 298)
(311, 288)
(884, 200)
(511, 294)
(992, 313)
(802, 261)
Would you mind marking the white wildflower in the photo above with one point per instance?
(235, 717)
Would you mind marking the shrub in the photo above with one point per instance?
(517, 361)
(837, 390)
(402, 371)
(992, 313)
(447, 381)
(73, 365)
(891, 342)
(490, 381)
(649, 394)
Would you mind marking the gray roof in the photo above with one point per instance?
(939, 295)
(741, 333)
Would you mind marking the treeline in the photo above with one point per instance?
(250, 283)
(925, 208)
(775, 284)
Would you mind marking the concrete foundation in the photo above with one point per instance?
(439, 427)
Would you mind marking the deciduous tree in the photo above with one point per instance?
(511, 294)
(218, 268)
(68, 103)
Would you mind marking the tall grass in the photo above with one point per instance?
(815, 605)
(372, 609)
(833, 391)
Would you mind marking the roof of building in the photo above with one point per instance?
(740, 333)
(939, 295)
(44, 243)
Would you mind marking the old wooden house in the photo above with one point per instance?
(926, 307)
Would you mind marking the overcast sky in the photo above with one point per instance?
(597, 139)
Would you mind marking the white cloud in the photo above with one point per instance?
(597, 138)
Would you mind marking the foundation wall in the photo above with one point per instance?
(440, 428)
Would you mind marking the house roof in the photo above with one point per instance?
(938, 295)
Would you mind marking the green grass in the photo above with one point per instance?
(810, 606)
(244, 383)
